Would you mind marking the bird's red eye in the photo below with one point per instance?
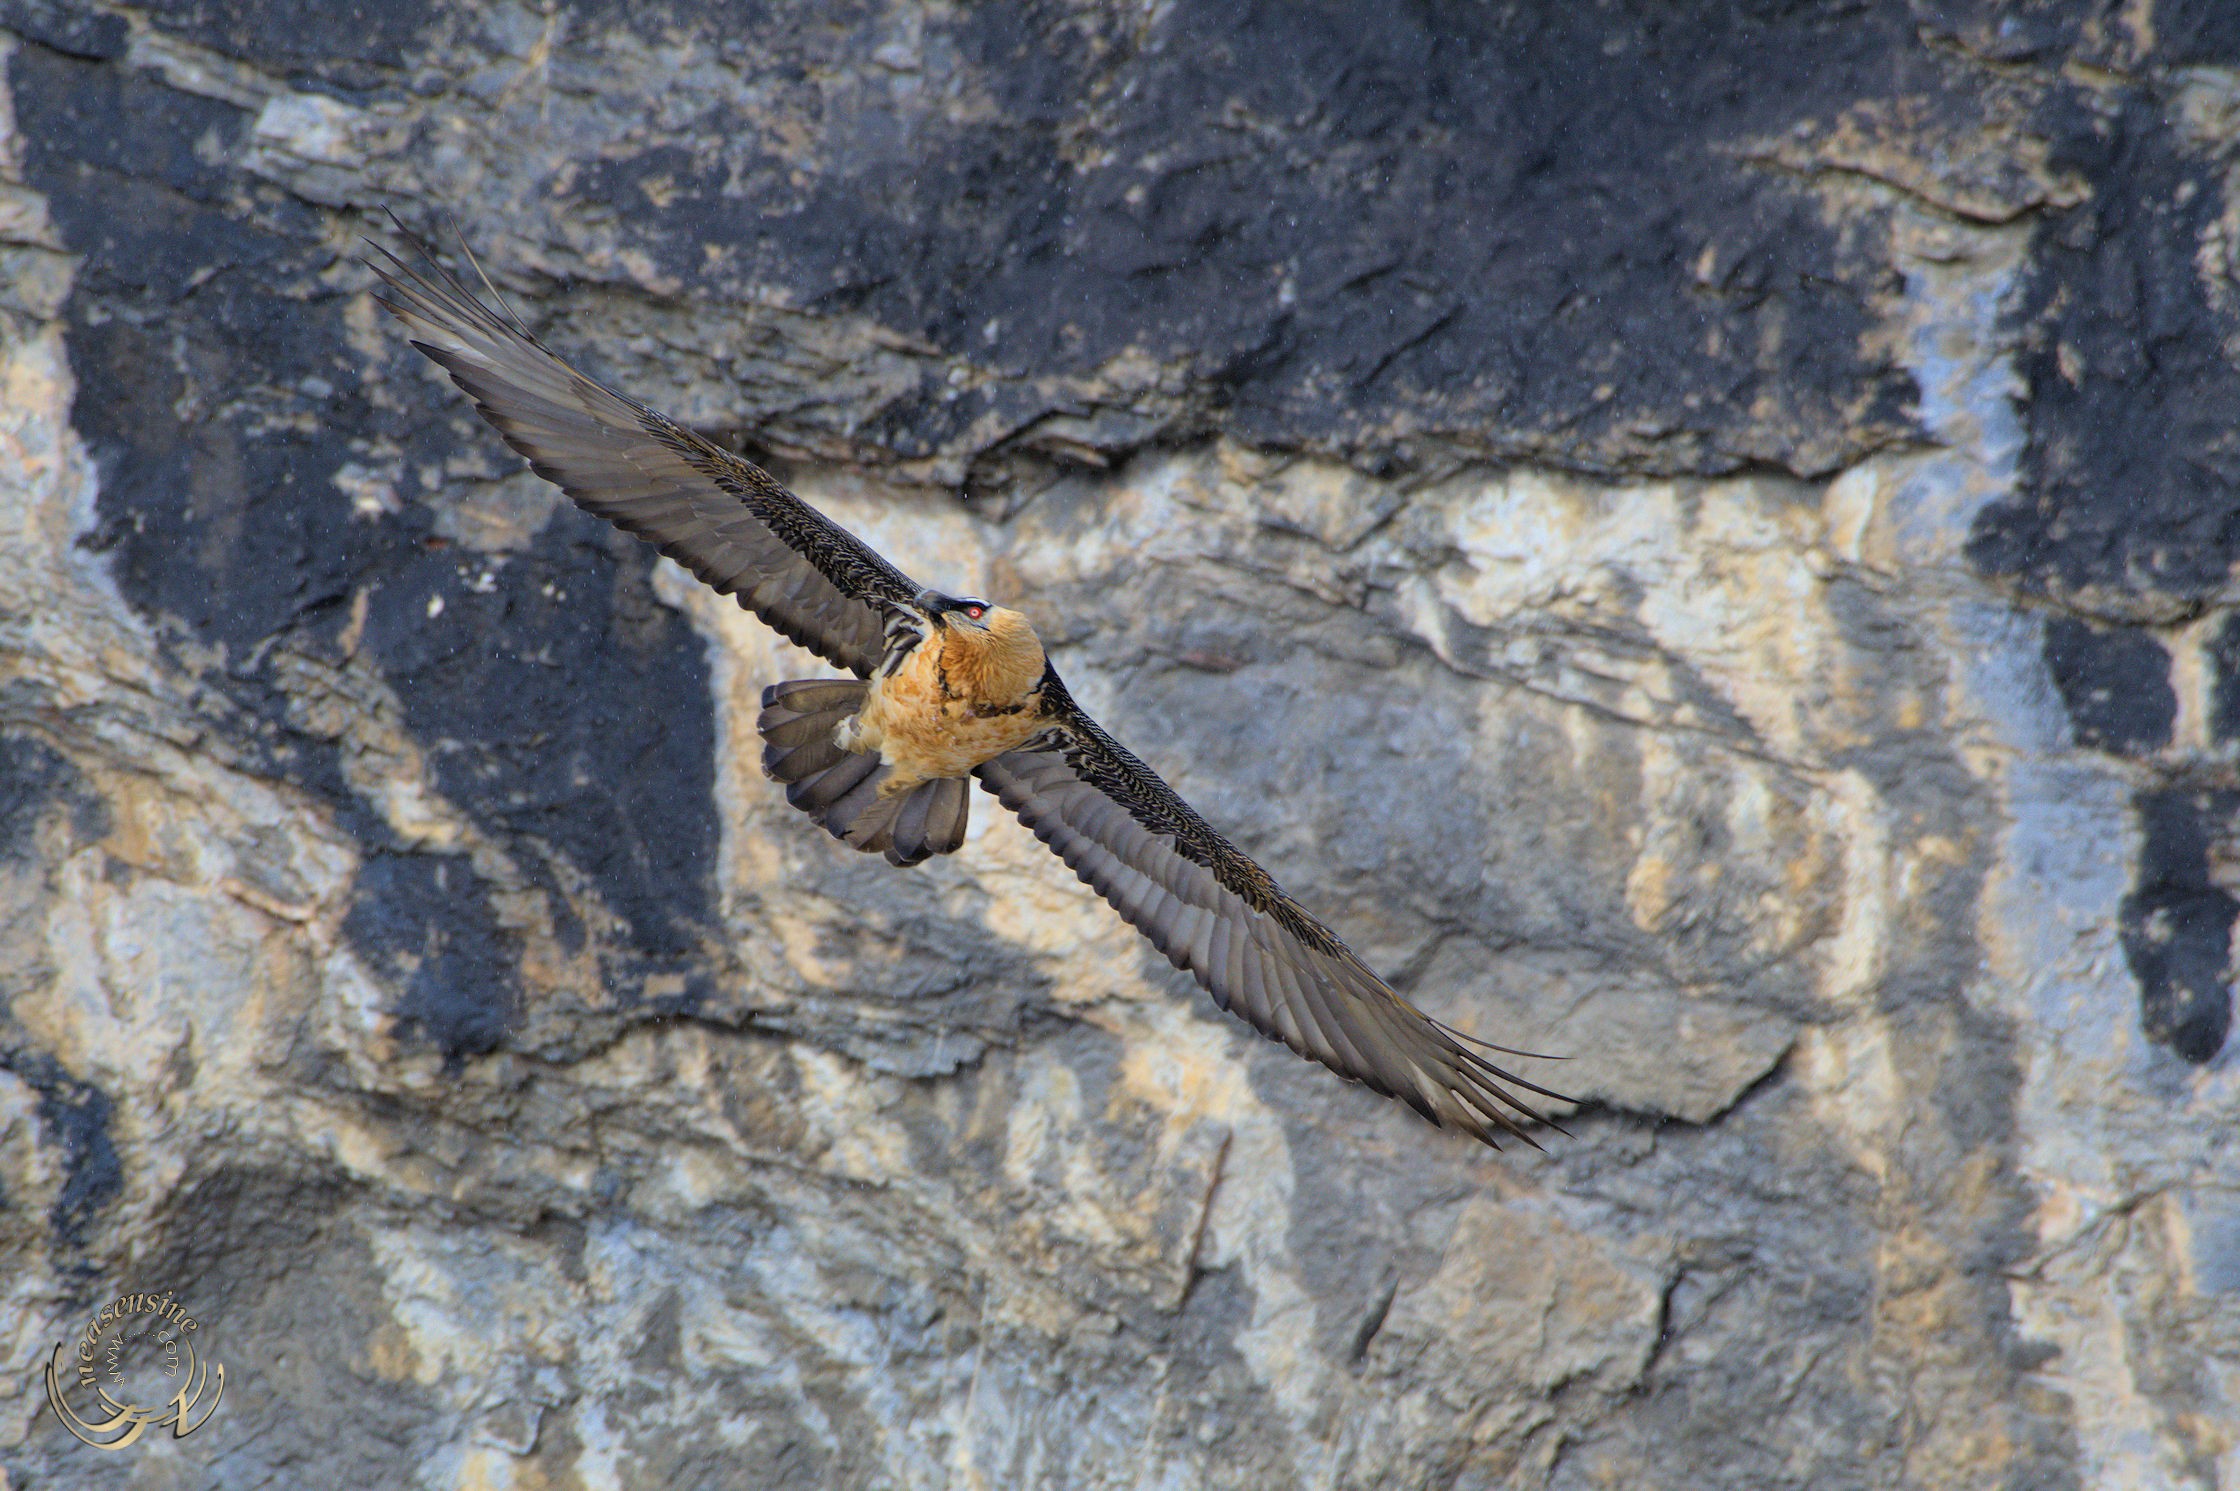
(975, 612)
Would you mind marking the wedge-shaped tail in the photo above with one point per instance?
(840, 789)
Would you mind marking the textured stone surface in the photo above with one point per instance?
(1703, 545)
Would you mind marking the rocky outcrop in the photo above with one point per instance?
(1702, 546)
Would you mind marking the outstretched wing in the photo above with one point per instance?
(721, 517)
(1212, 910)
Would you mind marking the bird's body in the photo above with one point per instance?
(945, 692)
(965, 691)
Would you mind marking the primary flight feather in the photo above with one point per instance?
(947, 688)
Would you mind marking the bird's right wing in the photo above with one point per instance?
(724, 518)
(1212, 910)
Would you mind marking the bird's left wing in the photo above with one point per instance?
(725, 519)
(1212, 910)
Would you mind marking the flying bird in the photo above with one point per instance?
(947, 689)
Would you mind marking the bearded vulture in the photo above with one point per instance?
(946, 689)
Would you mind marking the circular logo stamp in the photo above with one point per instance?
(136, 1366)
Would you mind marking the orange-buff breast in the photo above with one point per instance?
(964, 696)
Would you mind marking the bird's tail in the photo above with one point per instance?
(840, 789)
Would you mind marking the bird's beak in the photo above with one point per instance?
(929, 605)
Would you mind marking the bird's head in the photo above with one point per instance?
(994, 644)
(965, 612)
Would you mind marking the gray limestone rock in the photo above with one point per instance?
(1701, 539)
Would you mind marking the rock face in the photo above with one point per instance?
(1701, 538)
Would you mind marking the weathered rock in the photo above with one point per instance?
(1702, 546)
